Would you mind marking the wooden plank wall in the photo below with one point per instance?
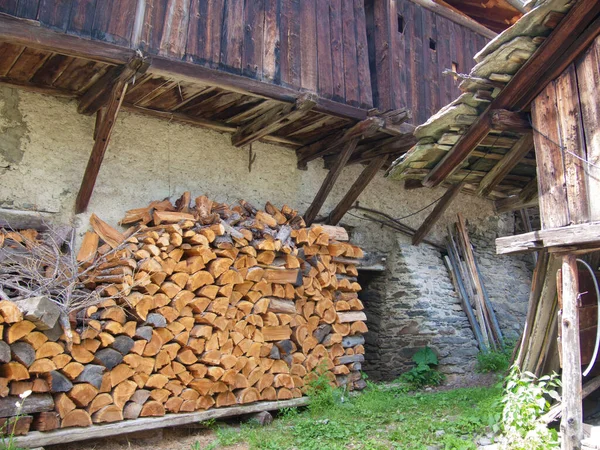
(409, 48)
(317, 45)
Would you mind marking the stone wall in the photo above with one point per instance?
(45, 146)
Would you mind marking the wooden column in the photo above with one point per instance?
(572, 416)
(103, 131)
(436, 213)
(359, 185)
(329, 181)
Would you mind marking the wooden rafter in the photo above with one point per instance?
(98, 95)
(436, 213)
(273, 120)
(359, 185)
(330, 179)
(505, 165)
(571, 33)
(103, 133)
(505, 120)
(331, 143)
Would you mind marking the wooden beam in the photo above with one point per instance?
(436, 213)
(587, 234)
(505, 165)
(505, 120)
(109, 118)
(273, 120)
(98, 95)
(45, 438)
(359, 185)
(524, 85)
(17, 219)
(455, 17)
(330, 143)
(572, 417)
(329, 181)
(32, 34)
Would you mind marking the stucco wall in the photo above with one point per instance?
(45, 146)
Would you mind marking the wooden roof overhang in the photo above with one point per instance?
(483, 140)
(106, 78)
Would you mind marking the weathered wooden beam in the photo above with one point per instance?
(359, 185)
(505, 120)
(572, 415)
(273, 120)
(330, 143)
(524, 85)
(329, 181)
(98, 95)
(109, 118)
(581, 234)
(505, 165)
(436, 213)
(455, 17)
(38, 438)
(17, 219)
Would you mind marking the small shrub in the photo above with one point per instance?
(494, 360)
(321, 394)
(424, 373)
(525, 400)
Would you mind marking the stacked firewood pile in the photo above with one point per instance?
(198, 307)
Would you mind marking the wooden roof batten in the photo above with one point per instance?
(120, 78)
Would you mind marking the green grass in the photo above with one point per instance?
(377, 418)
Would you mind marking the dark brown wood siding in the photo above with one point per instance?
(313, 45)
(409, 49)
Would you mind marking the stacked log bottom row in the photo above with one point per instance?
(205, 306)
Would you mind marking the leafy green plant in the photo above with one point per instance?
(526, 398)
(494, 360)
(321, 393)
(425, 372)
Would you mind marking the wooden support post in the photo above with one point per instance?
(359, 185)
(436, 213)
(329, 181)
(505, 165)
(101, 143)
(273, 120)
(572, 417)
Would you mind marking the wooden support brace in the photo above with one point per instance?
(436, 213)
(329, 181)
(109, 116)
(505, 120)
(99, 94)
(273, 120)
(330, 143)
(359, 185)
(572, 416)
(505, 165)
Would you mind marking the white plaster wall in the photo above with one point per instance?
(47, 144)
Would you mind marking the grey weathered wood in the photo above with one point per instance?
(149, 423)
(15, 219)
(156, 320)
(350, 359)
(436, 213)
(4, 352)
(572, 417)
(132, 410)
(503, 167)
(123, 344)
(581, 234)
(144, 332)
(140, 396)
(41, 311)
(321, 332)
(58, 382)
(109, 358)
(23, 352)
(92, 374)
(351, 316)
(33, 404)
(353, 341)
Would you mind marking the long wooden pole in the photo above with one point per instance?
(436, 213)
(572, 416)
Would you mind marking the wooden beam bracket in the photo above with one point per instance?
(273, 120)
